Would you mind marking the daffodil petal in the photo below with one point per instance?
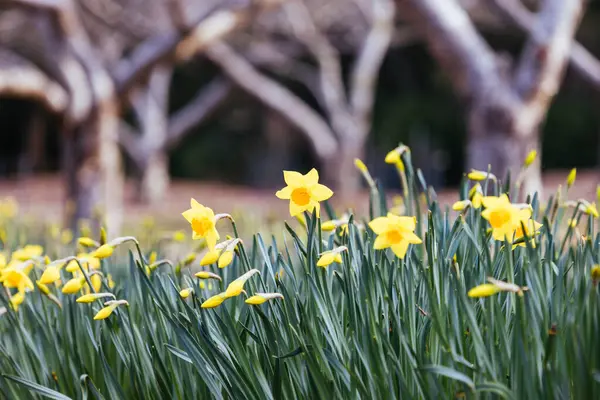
(293, 178)
(285, 193)
(312, 177)
(400, 249)
(381, 242)
(321, 192)
(379, 225)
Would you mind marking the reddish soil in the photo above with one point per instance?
(43, 197)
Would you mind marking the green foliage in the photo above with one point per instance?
(371, 327)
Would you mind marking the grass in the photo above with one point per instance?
(373, 326)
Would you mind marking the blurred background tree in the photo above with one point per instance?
(238, 90)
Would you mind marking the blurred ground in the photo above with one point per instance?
(43, 197)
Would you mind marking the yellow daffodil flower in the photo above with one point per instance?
(14, 278)
(185, 293)
(202, 220)
(28, 252)
(236, 287)
(260, 298)
(502, 216)
(531, 227)
(214, 301)
(395, 232)
(303, 191)
(66, 236)
(90, 298)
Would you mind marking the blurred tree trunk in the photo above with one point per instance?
(493, 140)
(339, 170)
(93, 170)
(152, 111)
(506, 105)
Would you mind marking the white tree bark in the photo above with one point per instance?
(504, 113)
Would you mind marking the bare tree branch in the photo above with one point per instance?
(366, 69)
(539, 72)
(275, 96)
(585, 63)
(454, 41)
(153, 51)
(332, 83)
(197, 110)
(20, 78)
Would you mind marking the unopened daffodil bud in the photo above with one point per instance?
(596, 274)
(110, 306)
(530, 158)
(329, 257)
(461, 205)
(360, 165)
(16, 300)
(207, 275)
(476, 175)
(236, 287)
(214, 301)
(185, 293)
(484, 290)
(73, 285)
(89, 298)
(210, 257)
(87, 242)
(42, 288)
(102, 235)
(225, 259)
(328, 226)
(103, 251)
(179, 236)
(50, 275)
(190, 258)
(571, 177)
(260, 298)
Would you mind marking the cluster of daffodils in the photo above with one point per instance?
(203, 222)
(514, 223)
